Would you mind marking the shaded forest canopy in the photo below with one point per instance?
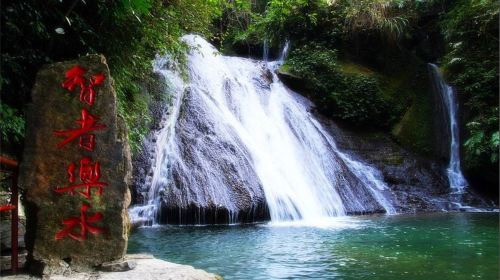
(362, 62)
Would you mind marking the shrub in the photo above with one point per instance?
(471, 64)
(358, 101)
(11, 125)
(352, 97)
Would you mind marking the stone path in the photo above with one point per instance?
(146, 268)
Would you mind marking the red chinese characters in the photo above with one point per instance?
(82, 222)
(89, 174)
(7, 207)
(74, 77)
(87, 124)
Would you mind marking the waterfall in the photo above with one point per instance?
(370, 176)
(284, 52)
(165, 144)
(236, 138)
(265, 51)
(456, 179)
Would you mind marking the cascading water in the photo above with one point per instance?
(265, 51)
(164, 145)
(237, 139)
(456, 179)
(284, 52)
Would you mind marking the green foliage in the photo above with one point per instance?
(303, 20)
(483, 140)
(128, 32)
(11, 125)
(233, 18)
(290, 19)
(352, 97)
(471, 64)
(138, 122)
(365, 31)
(415, 129)
(387, 17)
(357, 99)
(131, 32)
(317, 65)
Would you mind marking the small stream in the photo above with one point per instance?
(425, 246)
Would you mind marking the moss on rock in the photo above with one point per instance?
(416, 128)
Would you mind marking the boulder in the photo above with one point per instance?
(69, 224)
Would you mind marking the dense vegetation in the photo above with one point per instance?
(357, 59)
(128, 32)
(352, 97)
(471, 33)
(389, 43)
(363, 62)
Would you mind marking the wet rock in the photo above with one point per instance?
(46, 167)
(417, 184)
(118, 266)
(292, 81)
(156, 94)
(229, 191)
(266, 77)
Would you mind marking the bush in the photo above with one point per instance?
(11, 126)
(352, 97)
(358, 101)
(285, 19)
(482, 144)
(317, 65)
(471, 64)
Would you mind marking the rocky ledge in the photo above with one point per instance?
(133, 267)
(417, 183)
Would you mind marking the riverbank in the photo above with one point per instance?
(143, 267)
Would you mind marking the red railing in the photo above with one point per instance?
(11, 166)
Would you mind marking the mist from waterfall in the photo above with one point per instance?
(236, 135)
(456, 179)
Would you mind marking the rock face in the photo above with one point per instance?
(201, 143)
(79, 227)
(417, 184)
(191, 169)
(156, 95)
(441, 125)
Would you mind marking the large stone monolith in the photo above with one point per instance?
(76, 168)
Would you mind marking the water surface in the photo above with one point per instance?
(426, 246)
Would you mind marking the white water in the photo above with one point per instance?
(370, 176)
(165, 145)
(265, 51)
(456, 179)
(272, 136)
(284, 52)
